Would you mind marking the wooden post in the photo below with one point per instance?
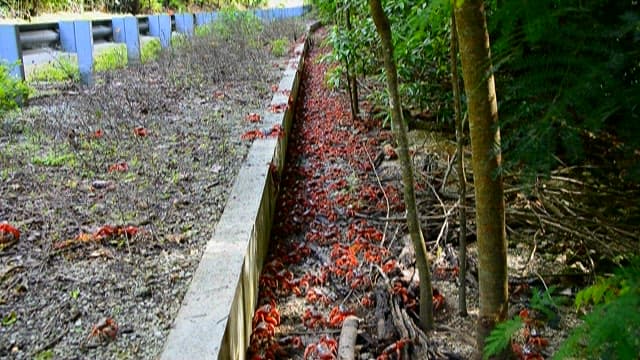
(125, 30)
(10, 49)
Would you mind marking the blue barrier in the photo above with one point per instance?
(78, 36)
(84, 48)
(10, 50)
(185, 24)
(125, 30)
(160, 27)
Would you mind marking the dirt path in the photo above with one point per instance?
(329, 249)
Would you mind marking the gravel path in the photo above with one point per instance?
(116, 189)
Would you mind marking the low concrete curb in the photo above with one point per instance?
(214, 321)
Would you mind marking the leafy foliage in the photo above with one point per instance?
(612, 329)
(500, 337)
(421, 44)
(568, 71)
(12, 91)
(232, 21)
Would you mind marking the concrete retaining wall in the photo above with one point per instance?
(214, 321)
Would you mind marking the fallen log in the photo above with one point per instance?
(348, 335)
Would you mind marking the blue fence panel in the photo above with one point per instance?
(67, 36)
(160, 27)
(11, 51)
(184, 24)
(204, 18)
(84, 48)
(125, 30)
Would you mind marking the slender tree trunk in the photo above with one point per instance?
(352, 83)
(462, 177)
(485, 145)
(400, 132)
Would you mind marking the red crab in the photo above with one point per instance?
(8, 234)
(278, 108)
(253, 117)
(325, 349)
(119, 167)
(252, 134)
(396, 347)
(338, 314)
(97, 134)
(106, 329)
(312, 318)
(140, 131)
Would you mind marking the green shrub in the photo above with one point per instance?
(179, 40)
(13, 92)
(231, 21)
(279, 47)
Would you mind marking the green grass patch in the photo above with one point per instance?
(61, 69)
(279, 47)
(111, 59)
(150, 50)
(55, 159)
(204, 30)
(179, 40)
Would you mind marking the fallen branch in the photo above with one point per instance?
(348, 335)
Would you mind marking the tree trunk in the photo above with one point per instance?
(462, 177)
(352, 83)
(485, 145)
(400, 132)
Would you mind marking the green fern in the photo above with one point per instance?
(564, 68)
(612, 329)
(500, 337)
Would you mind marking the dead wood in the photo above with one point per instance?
(348, 336)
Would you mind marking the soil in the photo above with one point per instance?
(340, 246)
(116, 189)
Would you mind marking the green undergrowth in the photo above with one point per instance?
(150, 50)
(13, 92)
(610, 328)
(279, 47)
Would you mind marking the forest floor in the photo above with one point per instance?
(340, 246)
(116, 190)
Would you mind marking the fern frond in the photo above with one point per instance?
(500, 337)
